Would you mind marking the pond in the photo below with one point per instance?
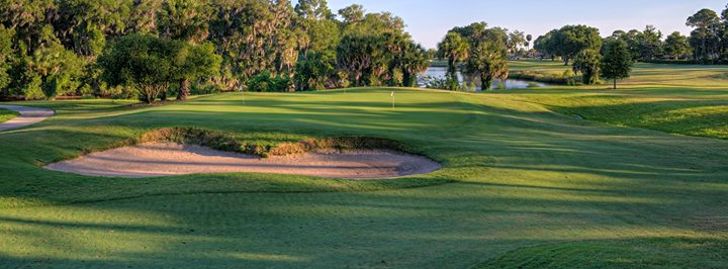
(439, 72)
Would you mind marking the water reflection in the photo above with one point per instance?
(439, 72)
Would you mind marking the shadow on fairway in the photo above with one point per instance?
(520, 179)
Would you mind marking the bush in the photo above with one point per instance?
(118, 92)
(205, 88)
(435, 82)
(225, 142)
(342, 80)
(265, 82)
(194, 136)
(33, 90)
(501, 85)
(569, 75)
(565, 78)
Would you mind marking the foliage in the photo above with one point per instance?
(569, 41)
(143, 62)
(516, 40)
(454, 48)
(484, 49)
(546, 45)
(644, 45)
(250, 36)
(265, 82)
(313, 10)
(411, 59)
(563, 78)
(194, 62)
(587, 62)
(150, 64)
(650, 43)
(315, 71)
(6, 56)
(616, 62)
(362, 57)
(434, 82)
(705, 39)
(184, 19)
(49, 71)
(677, 46)
(488, 59)
(83, 26)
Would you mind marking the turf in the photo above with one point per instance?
(524, 185)
(6, 115)
(678, 99)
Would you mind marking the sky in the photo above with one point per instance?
(429, 20)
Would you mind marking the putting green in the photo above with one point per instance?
(520, 184)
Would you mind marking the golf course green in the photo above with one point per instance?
(580, 177)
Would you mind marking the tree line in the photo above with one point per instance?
(595, 57)
(154, 48)
(483, 53)
(707, 43)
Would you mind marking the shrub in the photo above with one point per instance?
(224, 142)
(569, 75)
(500, 86)
(33, 90)
(206, 88)
(565, 78)
(265, 82)
(435, 83)
(194, 136)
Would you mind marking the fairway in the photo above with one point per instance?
(358, 134)
(524, 183)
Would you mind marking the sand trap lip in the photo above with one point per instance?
(28, 116)
(168, 159)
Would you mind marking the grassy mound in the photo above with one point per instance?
(6, 115)
(226, 142)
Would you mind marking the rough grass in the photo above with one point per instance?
(227, 142)
(679, 99)
(6, 115)
(521, 186)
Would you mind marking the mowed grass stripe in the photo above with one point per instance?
(520, 176)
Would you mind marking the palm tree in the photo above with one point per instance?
(455, 48)
(489, 61)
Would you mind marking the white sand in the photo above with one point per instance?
(167, 159)
(28, 116)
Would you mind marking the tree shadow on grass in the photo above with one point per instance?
(544, 179)
(635, 253)
(452, 227)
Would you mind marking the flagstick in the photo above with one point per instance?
(393, 107)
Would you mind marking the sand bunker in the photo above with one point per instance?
(167, 159)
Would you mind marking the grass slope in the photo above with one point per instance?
(519, 182)
(680, 99)
(6, 115)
